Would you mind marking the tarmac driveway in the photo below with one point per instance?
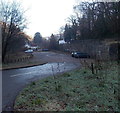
(54, 57)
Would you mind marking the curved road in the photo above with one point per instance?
(14, 80)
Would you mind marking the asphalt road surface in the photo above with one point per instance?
(14, 80)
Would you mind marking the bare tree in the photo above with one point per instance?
(99, 19)
(13, 21)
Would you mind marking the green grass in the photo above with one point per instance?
(77, 90)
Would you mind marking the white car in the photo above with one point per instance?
(29, 51)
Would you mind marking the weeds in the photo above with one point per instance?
(33, 83)
(58, 88)
(56, 85)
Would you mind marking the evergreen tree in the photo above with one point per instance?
(37, 39)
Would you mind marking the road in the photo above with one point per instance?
(13, 81)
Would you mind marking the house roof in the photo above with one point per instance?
(62, 42)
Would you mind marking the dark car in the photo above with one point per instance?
(45, 49)
(80, 55)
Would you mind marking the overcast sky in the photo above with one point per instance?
(47, 16)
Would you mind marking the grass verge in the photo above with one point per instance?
(77, 90)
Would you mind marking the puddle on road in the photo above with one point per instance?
(49, 66)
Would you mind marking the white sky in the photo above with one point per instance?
(47, 16)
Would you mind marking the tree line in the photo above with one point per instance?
(49, 43)
(93, 20)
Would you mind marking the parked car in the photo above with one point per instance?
(29, 51)
(34, 48)
(45, 49)
(80, 55)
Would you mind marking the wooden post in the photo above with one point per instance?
(92, 68)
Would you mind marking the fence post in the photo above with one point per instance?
(92, 68)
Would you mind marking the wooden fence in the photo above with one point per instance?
(15, 59)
